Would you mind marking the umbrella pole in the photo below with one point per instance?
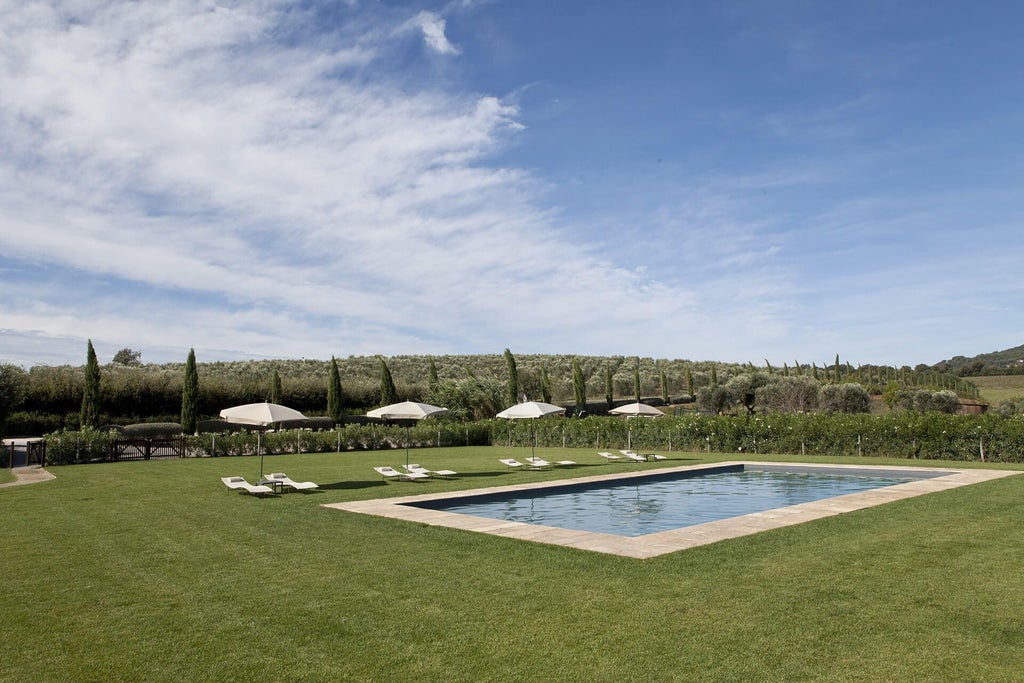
(407, 448)
(259, 449)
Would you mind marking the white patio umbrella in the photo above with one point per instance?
(407, 410)
(531, 410)
(261, 415)
(635, 410)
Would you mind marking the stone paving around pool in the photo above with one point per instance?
(652, 545)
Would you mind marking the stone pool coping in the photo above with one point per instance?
(673, 540)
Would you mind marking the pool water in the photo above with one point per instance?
(659, 502)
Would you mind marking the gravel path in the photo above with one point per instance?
(28, 475)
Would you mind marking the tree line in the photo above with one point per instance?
(126, 390)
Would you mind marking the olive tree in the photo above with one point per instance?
(742, 389)
(129, 357)
(845, 398)
(789, 394)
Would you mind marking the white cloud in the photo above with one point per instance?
(243, 180)
(277, 209)
(433, 27)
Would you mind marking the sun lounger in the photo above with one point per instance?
(431, 473)
(511, 463)
(287, 481)
(609, 456)
(392, 473)
(565, 463)
(633, 456)
(241, 484)
(537, 463)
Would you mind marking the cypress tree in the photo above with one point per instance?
(835, 370)
(545, 385)
(91, 398)
(388, 393)
(636, 379)
(689, 382)
(513, 378)
(275, 387)
(579, 386)
(714, 376)
(433, 382)
(609, 387)
(190, 395)
(334, 392)
(664, 386)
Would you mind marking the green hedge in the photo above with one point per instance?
(353, 437)
(899, 435)
(67, 447)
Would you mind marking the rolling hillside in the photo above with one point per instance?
(1008, 361)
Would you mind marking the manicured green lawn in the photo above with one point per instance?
(5, 475)
(155, 571)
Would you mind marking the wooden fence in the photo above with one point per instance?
(127, 448)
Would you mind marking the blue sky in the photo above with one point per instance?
(731, 181)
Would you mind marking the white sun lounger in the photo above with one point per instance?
(241, 484)
(609, 456)
(633, 456)
(287, 481)
(511, 463)
(412, 467)
(391, 473)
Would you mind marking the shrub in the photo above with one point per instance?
(86, 445)
(151, 430)
(845, 398)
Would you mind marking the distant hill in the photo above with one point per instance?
(1008, 362)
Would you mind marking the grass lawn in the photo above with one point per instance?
(155, 571)
(998, 388)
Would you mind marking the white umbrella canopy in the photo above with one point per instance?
(530, 410)
(637, 410)
(407, 410)
(260, 415)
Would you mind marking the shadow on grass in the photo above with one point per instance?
(476, 475)
(352, 485)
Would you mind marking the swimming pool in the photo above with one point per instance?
(660, 501)
(414, 508)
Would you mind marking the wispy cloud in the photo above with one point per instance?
(433, 27)
(306, 179)
(292, 204)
